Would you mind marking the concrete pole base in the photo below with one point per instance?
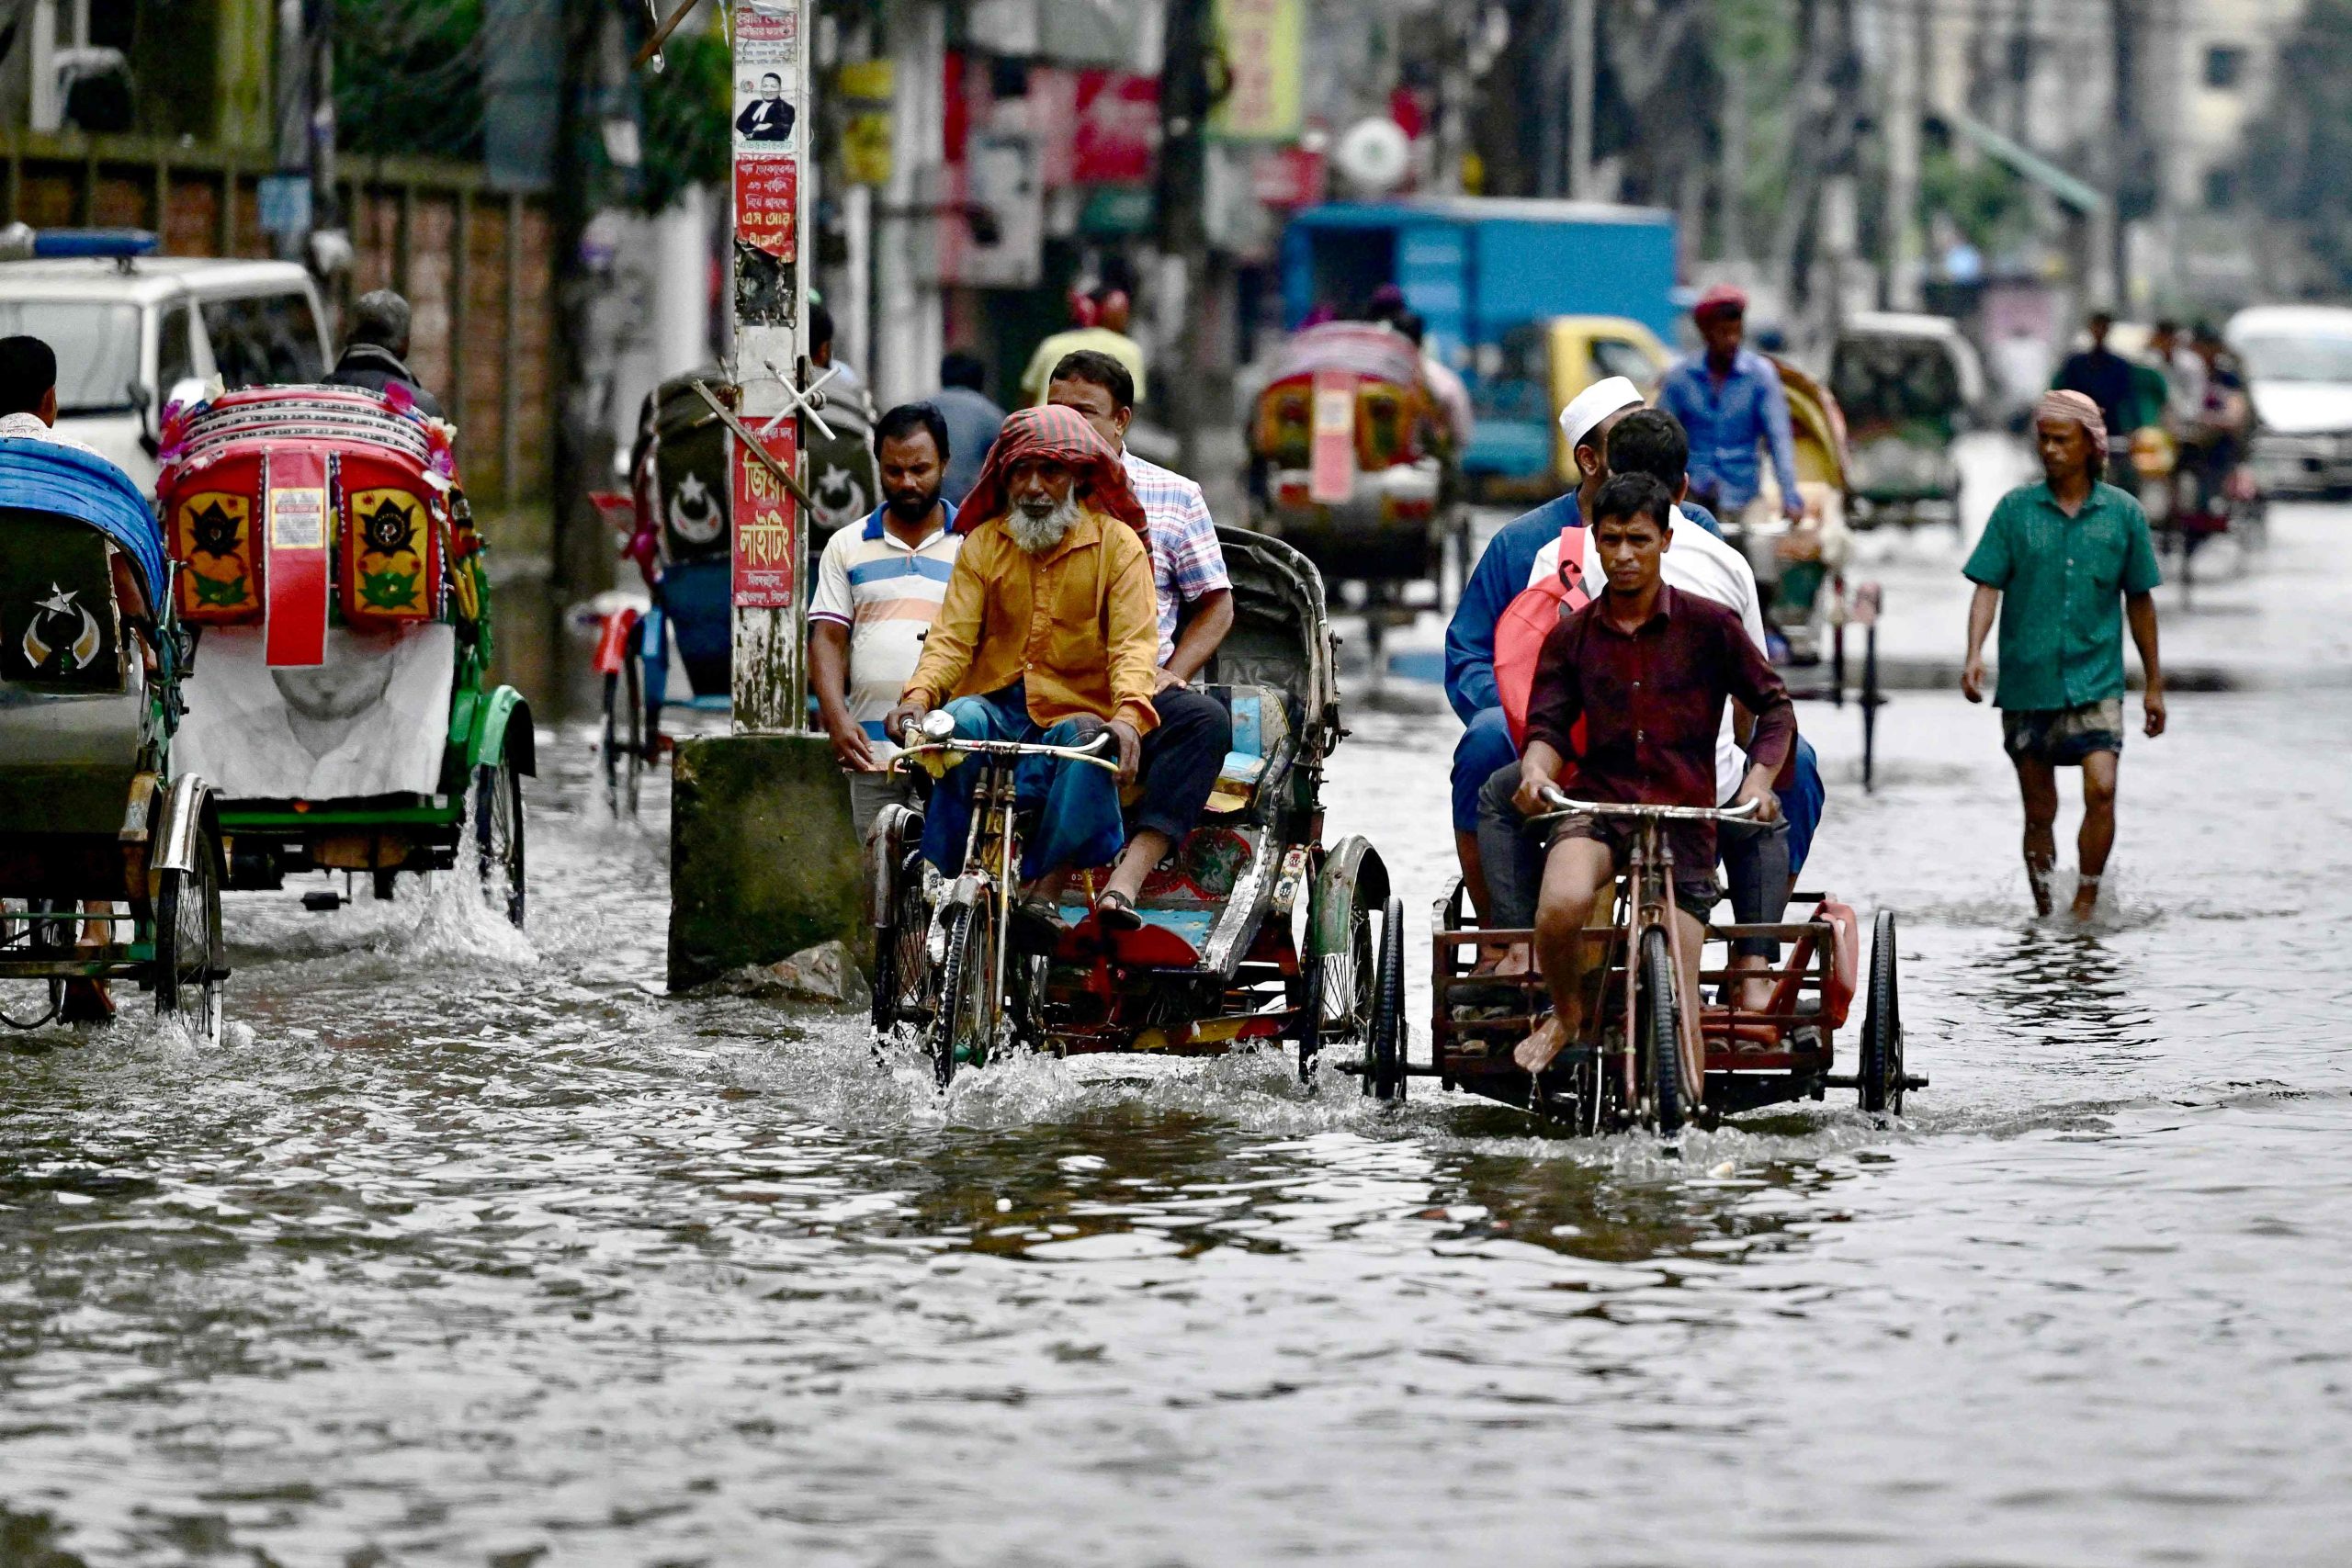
(764, 860)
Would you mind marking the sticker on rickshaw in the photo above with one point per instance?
(390, 574)
(294, 575)
(212, 534)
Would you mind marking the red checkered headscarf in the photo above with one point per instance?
(1054, 434)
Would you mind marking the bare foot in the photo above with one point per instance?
(1535, 1053)
(2085, 899)
(1752, 991)
(2038, 880)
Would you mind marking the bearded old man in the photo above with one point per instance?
(1050, 633)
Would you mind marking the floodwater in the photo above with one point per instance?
(475, 1247)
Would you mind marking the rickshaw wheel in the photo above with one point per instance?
(498, 836)
(188, 943)
(1384, 1054)
(1306, 996)
(1881, 1077)
(902, 955)
(1661, 1037)
(966, 1024)
(624, 745)
(1344, 980)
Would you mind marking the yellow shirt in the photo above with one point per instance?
(1078, 625)
(1102, 340)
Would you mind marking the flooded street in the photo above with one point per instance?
(476, 1248)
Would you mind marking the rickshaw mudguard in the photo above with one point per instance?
(1352, 877)
(486, 726)
(188, 805)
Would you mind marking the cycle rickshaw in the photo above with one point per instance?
(1650, 1059)
(94, 814)
(343, 709)
(1351, 465)
(1253, 929)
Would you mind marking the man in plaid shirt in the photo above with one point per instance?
(1180, 758)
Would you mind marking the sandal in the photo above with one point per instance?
(1117, 912)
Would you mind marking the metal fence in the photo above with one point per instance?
(476, 265)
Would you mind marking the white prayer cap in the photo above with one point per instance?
(1596, 403)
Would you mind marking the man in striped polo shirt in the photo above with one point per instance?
(1181, 756)
(878, 589)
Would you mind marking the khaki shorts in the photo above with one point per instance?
(2063, 737)
(1694, 890)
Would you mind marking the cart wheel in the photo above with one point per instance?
(1661, 1038)
(964, 1028)
(1342, 983)
(188, 943)
(1881, 1068)
(43, 939)
(1383, 1053)
(1305, 995)
(624, 747)
(902, 948)
(498, 835)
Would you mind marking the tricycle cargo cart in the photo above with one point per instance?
(1650, 1057)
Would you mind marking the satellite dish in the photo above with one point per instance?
(1374, 154)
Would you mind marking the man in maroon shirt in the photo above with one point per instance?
(1647, 670)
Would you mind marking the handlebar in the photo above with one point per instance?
(948, 746)
(1564, 807)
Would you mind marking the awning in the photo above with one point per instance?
(2075, 192)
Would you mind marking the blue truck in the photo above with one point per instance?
(1529, 300)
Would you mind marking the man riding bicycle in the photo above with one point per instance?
(1049, 634)
(1647, 670)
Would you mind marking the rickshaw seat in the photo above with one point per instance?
(1262, 747)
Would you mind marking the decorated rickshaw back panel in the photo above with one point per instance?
(387, 479)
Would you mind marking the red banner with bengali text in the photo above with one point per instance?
(764, 520)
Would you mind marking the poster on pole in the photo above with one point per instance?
(1263, 42)
(766, 69)
(767, 207)
(766, 559)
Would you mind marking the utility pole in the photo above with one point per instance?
(581, 556)
(1582, 73)
(908, 329)
(1905, 26)
(765, 860)
(1731, 176)
(1183, 224)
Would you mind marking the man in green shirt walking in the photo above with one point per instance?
(2060, 560)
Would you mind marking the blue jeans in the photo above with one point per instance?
(1078, 823)
(1483, 747)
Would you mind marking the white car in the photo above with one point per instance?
(131, 333)
(2297, 363)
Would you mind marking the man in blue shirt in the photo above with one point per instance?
(972, 421)
(1729, 399)
(1500, 577)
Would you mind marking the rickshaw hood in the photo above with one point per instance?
(42, 475)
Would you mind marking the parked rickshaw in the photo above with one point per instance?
(1635, 1069)
(1907, 385)
(1795, 562)
(94, 815)
(344, 707)
(674, 521)
(1348, 466)
(1253, 929)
